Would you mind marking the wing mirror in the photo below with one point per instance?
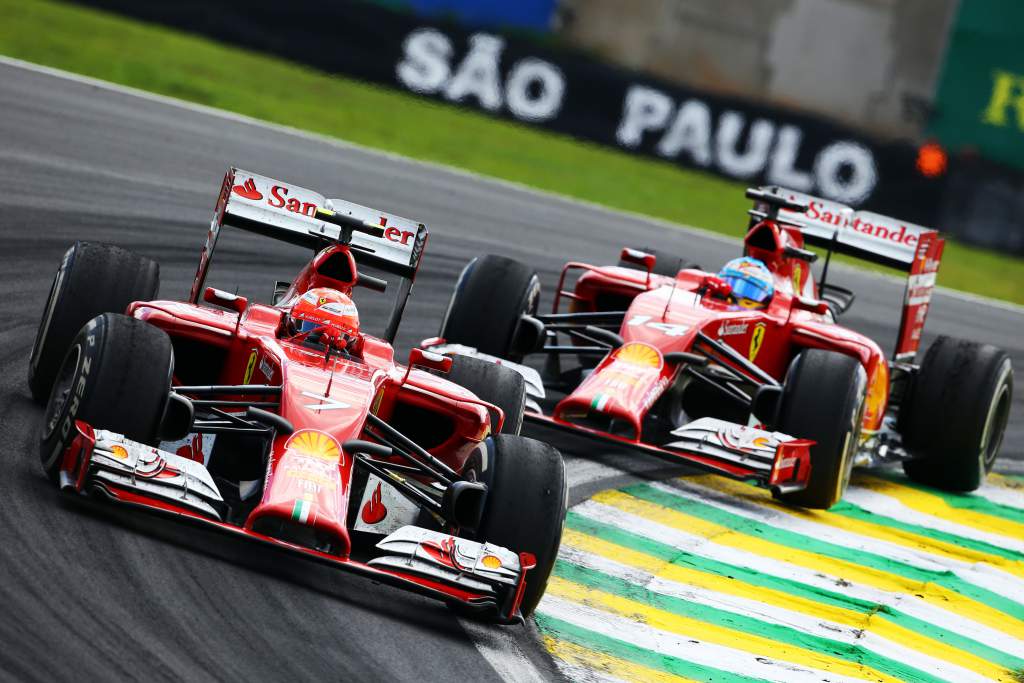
(219, 297)
(639, 258)
(429, 360)
(813, 305)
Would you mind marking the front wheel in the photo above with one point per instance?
(116, 375)
(526, 503)
(952, 421)
(823, 400)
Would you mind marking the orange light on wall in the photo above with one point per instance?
(931, 160)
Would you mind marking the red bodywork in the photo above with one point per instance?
(666, 315)
(327, 398)
(328, 401)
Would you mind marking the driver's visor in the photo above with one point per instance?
(744, 287)
(306, 326)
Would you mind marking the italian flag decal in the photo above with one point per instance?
(301, 510)
(600, 402)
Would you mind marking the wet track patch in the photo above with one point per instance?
(701, 578)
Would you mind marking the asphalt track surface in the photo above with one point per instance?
(86, 596)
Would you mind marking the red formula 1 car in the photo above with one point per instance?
(286, 424)
(672, 360)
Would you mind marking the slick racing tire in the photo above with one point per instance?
(496, 384)
(92, 279)
(666, 263)
(823, 400)
(953, 418)
(116, 375)
(490, 298)
(526, 503)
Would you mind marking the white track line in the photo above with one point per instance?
(444, 168)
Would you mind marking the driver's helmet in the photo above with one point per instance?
(751, 282)
(326, 310)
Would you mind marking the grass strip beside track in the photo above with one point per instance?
(180, 65)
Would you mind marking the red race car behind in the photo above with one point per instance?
(286, 424)
(746, 372)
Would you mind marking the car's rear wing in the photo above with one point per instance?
(282, 211)
(913, 249)
(253, 202)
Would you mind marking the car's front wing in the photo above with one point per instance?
(770, 459)
(481, 576)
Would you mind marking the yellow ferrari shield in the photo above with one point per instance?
(756, 340)
(249, 367)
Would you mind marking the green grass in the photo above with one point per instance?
(192, 68)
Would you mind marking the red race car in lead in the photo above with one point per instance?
(288, 424)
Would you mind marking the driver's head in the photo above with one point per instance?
(328, 311)
(751, 282)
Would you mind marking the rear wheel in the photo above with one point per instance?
(953, 419)
(823, 400)
(92, 279)
(116, 375)
(495, 384)
(490, 298)
(666, 263)
(526, 503)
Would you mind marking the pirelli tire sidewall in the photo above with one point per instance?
(116, 375)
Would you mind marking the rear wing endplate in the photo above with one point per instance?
(913, 249)
(253, 202)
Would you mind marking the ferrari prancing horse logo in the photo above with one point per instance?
(250, 366)
(756, 340)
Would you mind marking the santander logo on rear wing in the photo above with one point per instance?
(914, 249)
(864, 234)
(287, 212)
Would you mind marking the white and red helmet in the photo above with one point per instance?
(327, 311)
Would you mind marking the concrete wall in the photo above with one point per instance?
(873, 64)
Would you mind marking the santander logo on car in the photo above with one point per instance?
(819, 211)
(278, 198)
(281, 197)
